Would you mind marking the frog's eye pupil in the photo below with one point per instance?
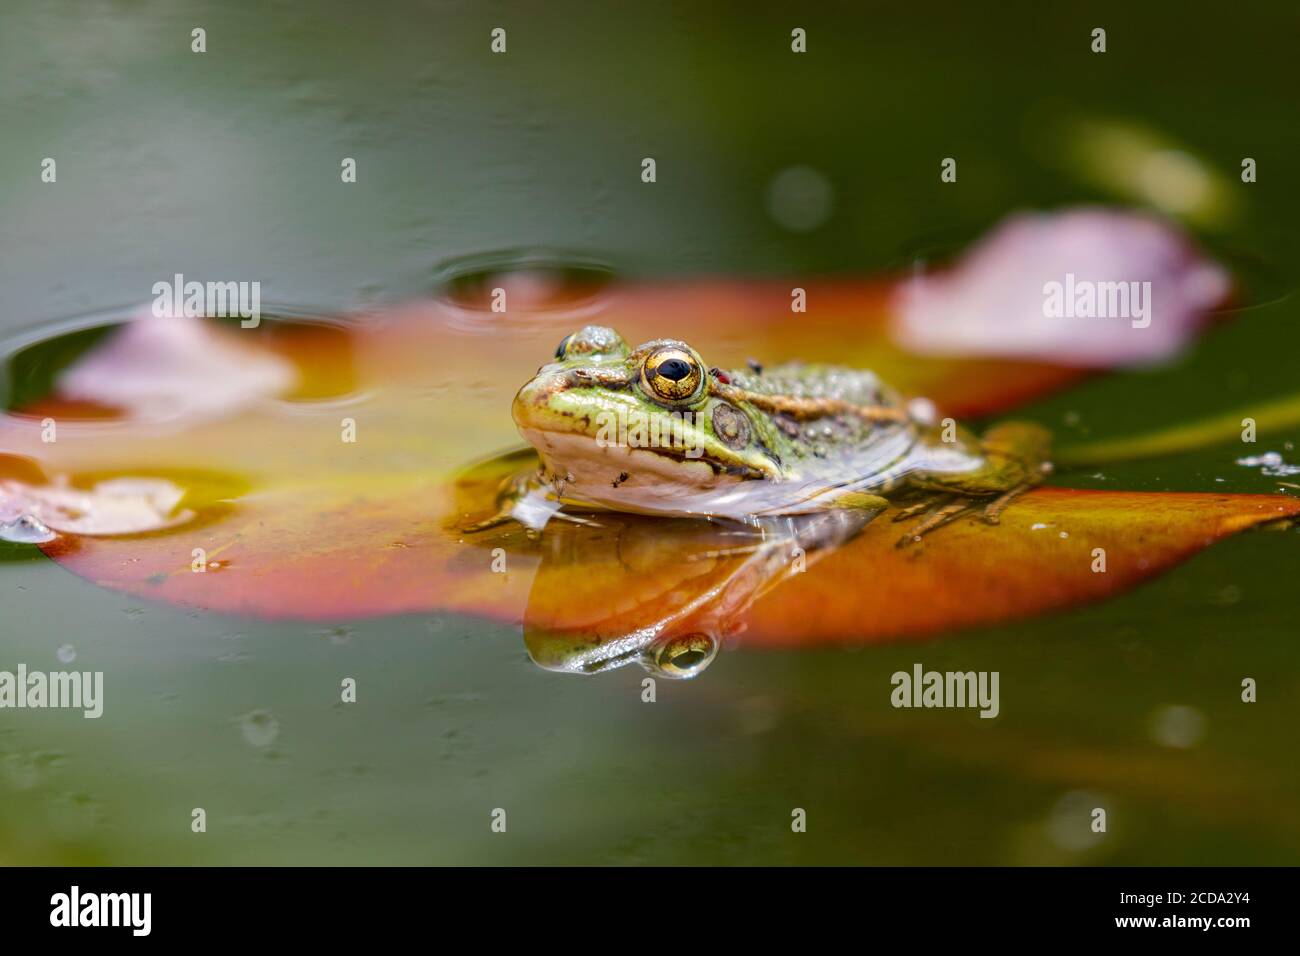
(672, 374)
(564, 344)
(674, 369)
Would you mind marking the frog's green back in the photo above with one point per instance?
(836, 448)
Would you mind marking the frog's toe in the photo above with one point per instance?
(935, 519)
(487, 524)
(993, 510)
(921, 507)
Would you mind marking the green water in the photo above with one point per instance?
(226, 164)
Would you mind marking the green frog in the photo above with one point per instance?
(655, 430)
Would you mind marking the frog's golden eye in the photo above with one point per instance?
(564, 344)
(685, 656)
(672, 374)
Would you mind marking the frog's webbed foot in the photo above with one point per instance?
(487, 524)
(937, 518)
(944, 509)
(921, 507)
(523, 498)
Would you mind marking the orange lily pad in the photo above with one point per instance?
(1045, 554)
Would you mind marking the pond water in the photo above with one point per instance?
(476, 170)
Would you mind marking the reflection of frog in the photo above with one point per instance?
(683, 587)
(653, 430)
(665, 593)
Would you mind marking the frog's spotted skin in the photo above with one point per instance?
(655, 430)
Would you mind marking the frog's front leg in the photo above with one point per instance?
(513, 497)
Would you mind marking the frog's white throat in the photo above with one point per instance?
(625, 478)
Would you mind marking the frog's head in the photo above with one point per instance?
(680, 657)
(623, 426)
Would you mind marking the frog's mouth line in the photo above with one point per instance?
(561, 446)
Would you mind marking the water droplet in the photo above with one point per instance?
(800, 198)
(26, 529)
(260, 728)
(66, 653)
(1270, 463)
(1176, 725)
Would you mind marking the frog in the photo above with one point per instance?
(655, 430)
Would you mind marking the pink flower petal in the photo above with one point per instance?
(116, 506)
(175, 367)
(997, 300)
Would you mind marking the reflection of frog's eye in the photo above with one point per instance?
(672, 374)
(685, 656)
(564, 344)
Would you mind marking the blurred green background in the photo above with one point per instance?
(227, 165)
